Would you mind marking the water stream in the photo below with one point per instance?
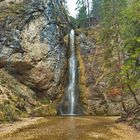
(70, 104)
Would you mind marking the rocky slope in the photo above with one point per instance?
(15, 98)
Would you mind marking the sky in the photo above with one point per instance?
(71, 6)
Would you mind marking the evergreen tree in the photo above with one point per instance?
(96, 8)
(82, 13)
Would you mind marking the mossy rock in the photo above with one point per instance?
(16, 100)
(44, 110)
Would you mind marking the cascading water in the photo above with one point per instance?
(70, 104)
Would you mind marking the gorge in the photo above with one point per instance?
(65, 79)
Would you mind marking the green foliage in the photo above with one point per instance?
(9, 113)
(73, 22)
(82, 13)
(45, 101)
(96, 8)
(81, 17)
(131, 48)
(120, 34)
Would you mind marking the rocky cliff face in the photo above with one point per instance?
(32, 48)
(98, 98)
(100, 91)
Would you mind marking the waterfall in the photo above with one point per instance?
(72, 74)
(70, 104)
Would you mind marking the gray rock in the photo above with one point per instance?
(34, 50)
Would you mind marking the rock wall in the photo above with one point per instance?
(98, 80)
(96, 95)
(32, 47)
(35, 52)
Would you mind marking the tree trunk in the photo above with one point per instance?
(88, 12)
(133, 94)
(131, 90)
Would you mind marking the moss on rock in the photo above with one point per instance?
(15, 98)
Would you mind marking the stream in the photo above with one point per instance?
(76, 128)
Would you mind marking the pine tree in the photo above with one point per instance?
(82, 13)
(96, 6)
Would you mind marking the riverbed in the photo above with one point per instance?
(75, 128)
